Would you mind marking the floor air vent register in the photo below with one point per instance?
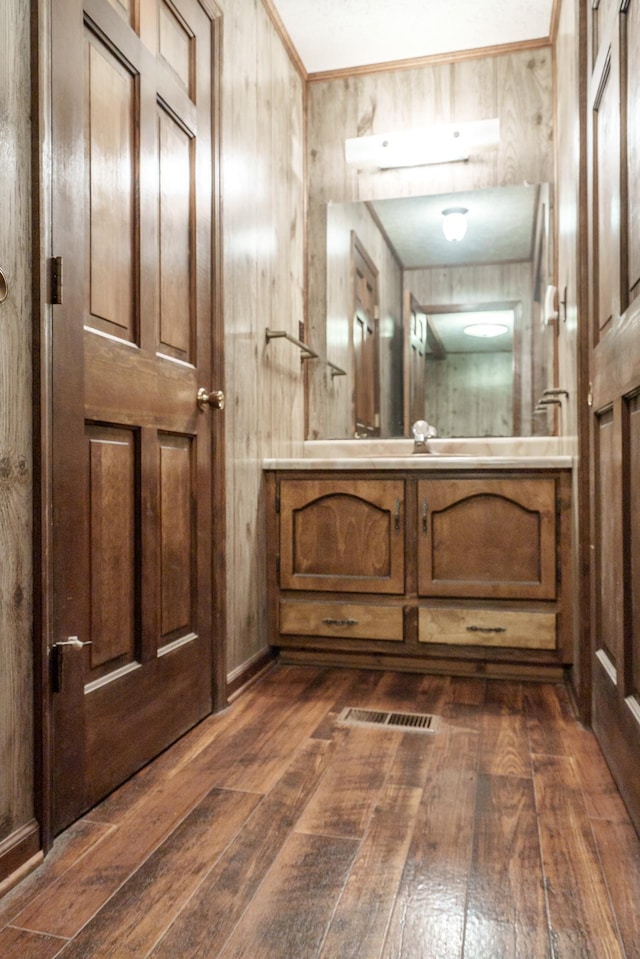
(407, 722)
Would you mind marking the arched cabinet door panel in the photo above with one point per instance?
(490, 539)
(345, 535)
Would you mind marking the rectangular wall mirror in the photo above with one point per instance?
(402, 303)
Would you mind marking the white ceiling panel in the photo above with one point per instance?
(339, 34)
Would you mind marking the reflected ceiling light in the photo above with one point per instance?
(485, 330)
(445, 143)
(454, 223)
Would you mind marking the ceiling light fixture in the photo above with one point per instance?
(454, 223)
(485, 330)
(444, 143)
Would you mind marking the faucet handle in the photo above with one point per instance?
(422, 431)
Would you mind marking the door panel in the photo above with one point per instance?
(415, 356)
(492, 539)
(132, 340)
(342, 535)
(615, 372)
(366, 343)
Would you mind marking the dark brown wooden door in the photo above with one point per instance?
(615, 370)
(366, 344)
(487, 538)
(131, 343)
(415, 358)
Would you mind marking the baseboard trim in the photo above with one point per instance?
(247, 674)
(19, 854)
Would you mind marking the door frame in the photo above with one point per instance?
(43, 318)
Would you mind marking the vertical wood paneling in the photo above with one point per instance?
(510, 282)
(263, 203)
(16, 711)
(632, 49)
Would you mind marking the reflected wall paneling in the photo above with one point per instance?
(515, 87)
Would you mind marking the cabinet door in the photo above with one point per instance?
(344, 535)
(489, 538)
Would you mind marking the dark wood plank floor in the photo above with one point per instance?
(271, 831)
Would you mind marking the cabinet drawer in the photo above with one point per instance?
(487, 627)
(355, 621)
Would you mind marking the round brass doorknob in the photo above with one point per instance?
(214, 399)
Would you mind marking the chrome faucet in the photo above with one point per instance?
(422, 433)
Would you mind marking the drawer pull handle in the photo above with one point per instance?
(424, 516)
(340, 622)
(486, 629)
(396, 516)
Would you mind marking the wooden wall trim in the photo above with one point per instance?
(435, 59)
(249, 673)
(555, 21)
(283, 33)
(16, 851)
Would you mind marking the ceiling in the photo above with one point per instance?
(342, 34)
(500, 227)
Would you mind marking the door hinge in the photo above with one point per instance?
(277, 503)
(590, 396)
(56, 280)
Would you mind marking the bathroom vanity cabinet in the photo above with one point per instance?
(454, 571)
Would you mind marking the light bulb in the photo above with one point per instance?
(454, 223)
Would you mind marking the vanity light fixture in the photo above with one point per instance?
(454, 223)
(444, 143)
(485, 330)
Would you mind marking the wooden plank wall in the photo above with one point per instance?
(16, 715)
(572, 327)
(516, 87)
(263, 273)
(482, 284)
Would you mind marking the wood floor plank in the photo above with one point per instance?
(361, 687)
(505, 743)
(602, 799)
(428, 917)
(67, 849)
(467, 691)
(296, 902)
(507, 696)
(619, 848)
(213, 912)
(75, 897)
(360, 922)
(19, 944)
(335, 852)
(211, 736)
(140, 912)
(269, 754)
(579, 907)
(506, 909)
(343, 803)
(550, 719)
